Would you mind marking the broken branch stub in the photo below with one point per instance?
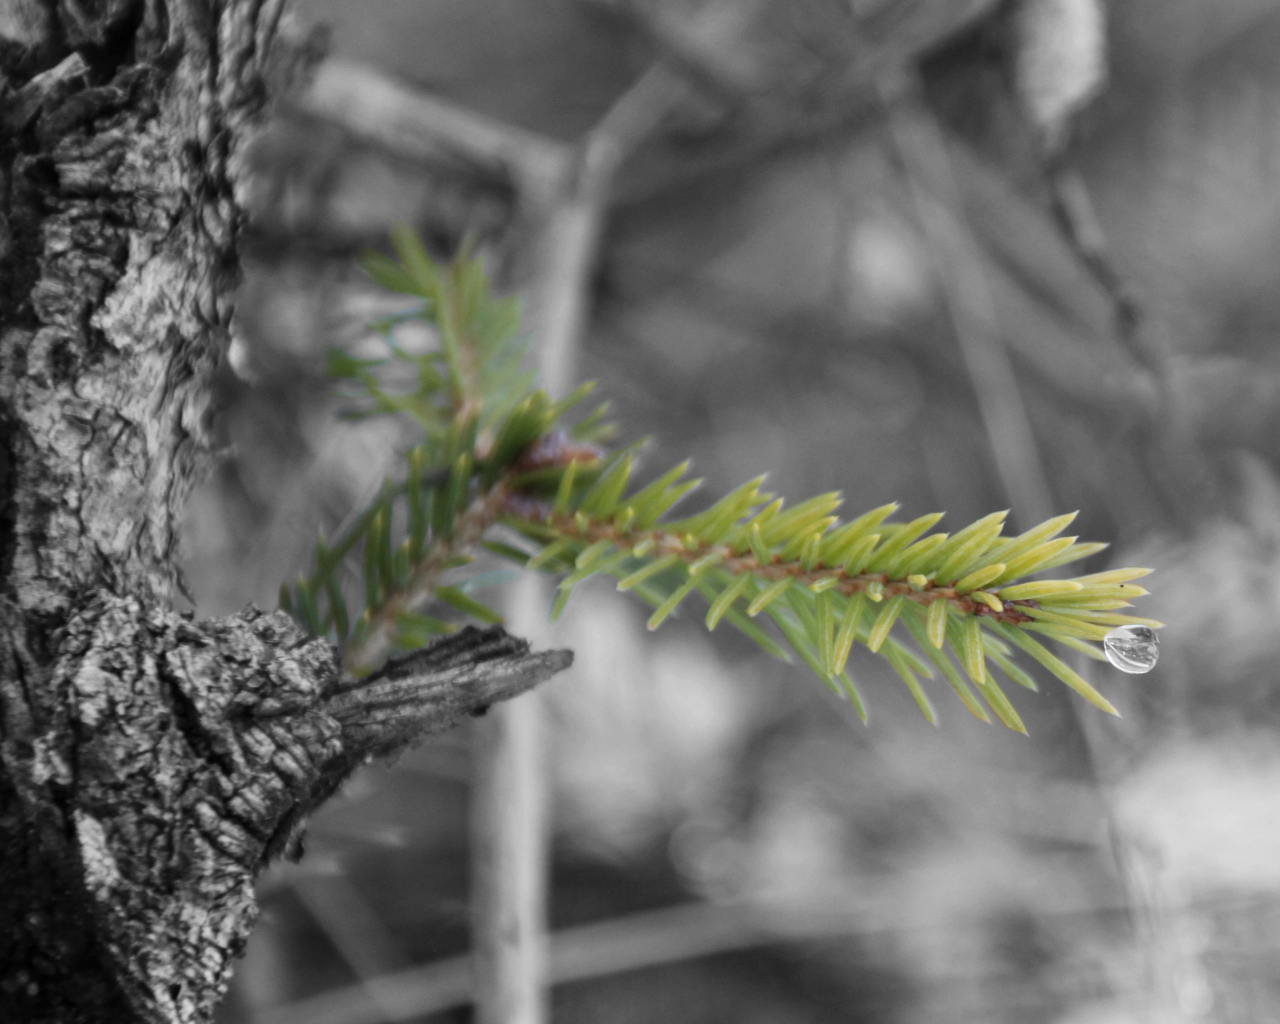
(174, 759)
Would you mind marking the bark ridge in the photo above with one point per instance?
(150, 764)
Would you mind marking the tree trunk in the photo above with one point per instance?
(150, 765)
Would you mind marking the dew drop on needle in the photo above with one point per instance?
(1132, 649)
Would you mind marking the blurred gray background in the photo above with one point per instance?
(963, 255)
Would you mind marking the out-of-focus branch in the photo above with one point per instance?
(418, 126)
(976, 314)
(509, 827)
(777, 89)
(632, 942)
(571, 216)
(906, 31)
(1030, 246)
(628, 943)
(509, 860)
(1075, 210)
(1060, 352)
(970, 304)
(355, 930)
(566, 190)
(739, 50)
(702, 47)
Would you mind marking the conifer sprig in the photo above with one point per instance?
(494, 453)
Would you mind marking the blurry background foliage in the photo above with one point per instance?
(800, 271)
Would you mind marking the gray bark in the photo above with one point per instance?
(150, 765)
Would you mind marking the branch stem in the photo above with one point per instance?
(666, 543)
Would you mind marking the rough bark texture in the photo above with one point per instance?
(162, 763)
(150, 765)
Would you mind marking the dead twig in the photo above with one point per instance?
(970, 304)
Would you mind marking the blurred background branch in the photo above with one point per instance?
(970, 305)
(510, 831)
(629, 943)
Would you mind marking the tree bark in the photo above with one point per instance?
(150, 765)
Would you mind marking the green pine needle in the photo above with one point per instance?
(851, 691)
(652, 569)
(670, 604)
(980, 578)
(496, 452)
(904, 670)
(849, 623)
(884, 621)
(769, 594)
(936, 623)
(726, 598)
(944, 664)
(999, 703)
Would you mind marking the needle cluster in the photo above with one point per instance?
(495, 454)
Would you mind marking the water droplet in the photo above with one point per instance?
(1132, 649)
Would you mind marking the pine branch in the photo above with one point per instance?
(495, 453)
